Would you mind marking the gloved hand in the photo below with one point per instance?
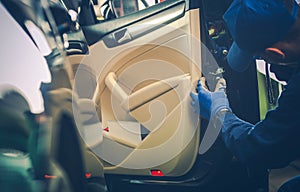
(207, 103)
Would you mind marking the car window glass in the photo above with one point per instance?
(123, 8)
(107, 9)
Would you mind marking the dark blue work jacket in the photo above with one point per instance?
(273, 142)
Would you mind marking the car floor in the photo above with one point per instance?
(278, 176)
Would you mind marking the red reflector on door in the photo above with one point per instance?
(157, 173)
(106, 129)
(88, 175)
(50, 176)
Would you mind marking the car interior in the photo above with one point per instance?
(117, 111)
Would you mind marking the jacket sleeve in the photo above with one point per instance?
(272, 142)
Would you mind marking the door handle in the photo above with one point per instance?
(122, 36)
(145, 94)
(114, 87)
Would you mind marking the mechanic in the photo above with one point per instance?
(270, 30)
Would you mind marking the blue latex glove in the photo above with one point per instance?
(206, 103)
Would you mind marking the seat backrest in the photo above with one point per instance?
(14, 132)
(66, 147)
(44, 165)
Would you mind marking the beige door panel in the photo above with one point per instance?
(170, 132)
(102, 60)
(135, 87)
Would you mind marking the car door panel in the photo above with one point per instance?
(143, 69)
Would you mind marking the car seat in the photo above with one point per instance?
(25, 162)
